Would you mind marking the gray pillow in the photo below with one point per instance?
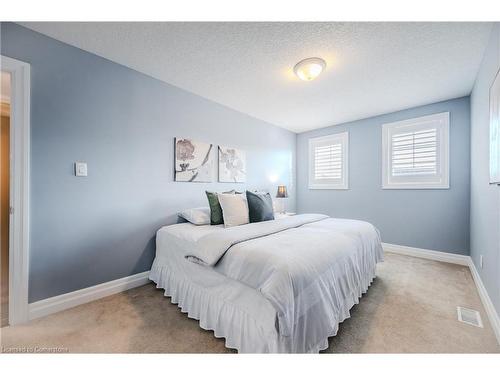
(260, 207)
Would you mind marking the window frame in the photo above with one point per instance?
(342, 138)
(442, 179)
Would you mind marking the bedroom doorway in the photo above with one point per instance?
(14, 180)
(4, 195)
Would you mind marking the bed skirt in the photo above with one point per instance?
(242, 330)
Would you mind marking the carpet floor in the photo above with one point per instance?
(410, 308)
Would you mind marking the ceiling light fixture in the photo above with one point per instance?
(309, 69)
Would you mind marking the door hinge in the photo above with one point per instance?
(11, 210)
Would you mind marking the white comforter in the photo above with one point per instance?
(298, 263)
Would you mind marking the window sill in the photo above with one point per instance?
(415, 187)
(328, 187)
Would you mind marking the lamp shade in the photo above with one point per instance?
(282, 193)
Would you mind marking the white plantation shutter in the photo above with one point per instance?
(328, 162)
(416, 153)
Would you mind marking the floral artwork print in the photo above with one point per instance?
(193, 161)
(232, 165)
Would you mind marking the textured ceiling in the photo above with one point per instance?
(372, 68)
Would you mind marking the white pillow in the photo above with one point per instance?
(234, 209)
(197, 216)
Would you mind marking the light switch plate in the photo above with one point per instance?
(80, 169)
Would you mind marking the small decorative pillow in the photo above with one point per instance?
(216, 216)
(260, 207)
(197, 216)
(234, 209)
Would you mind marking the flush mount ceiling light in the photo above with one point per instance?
(309, 69)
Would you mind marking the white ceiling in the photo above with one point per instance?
(372, 68)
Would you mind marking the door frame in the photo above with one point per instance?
(19, 187)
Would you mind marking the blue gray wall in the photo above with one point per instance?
(86, 231)
(428, 219)
(485, 198)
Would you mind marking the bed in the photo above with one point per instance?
(279, 286)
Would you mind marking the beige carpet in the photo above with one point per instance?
(410, 308)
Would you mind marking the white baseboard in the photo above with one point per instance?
(65, 301)
(427, 254)
(485, 298)
(464, 260)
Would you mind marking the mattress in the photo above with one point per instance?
(241, 314)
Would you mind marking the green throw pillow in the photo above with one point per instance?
(216, 217)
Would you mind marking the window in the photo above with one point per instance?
(495, 131)
(328, 162)
(415, 153)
